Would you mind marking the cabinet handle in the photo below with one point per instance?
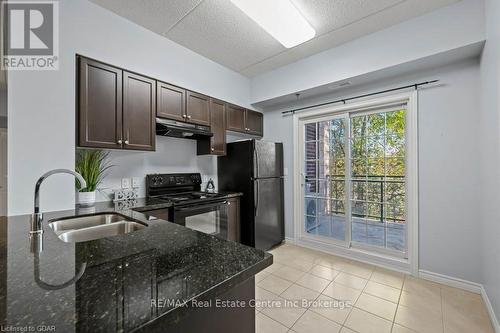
(228, 203)
(189, 117)
(126, 142)
(119, 266)
(212, 149)
(184, 116)
(126, 265)
(120, 141)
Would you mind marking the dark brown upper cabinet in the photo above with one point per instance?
(116, 109)
(100, 105)
(171, 102)
(254, 122)
(235, 118)
(197, 108)
(139, 108)
(216, 145)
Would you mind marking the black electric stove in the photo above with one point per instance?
(179, 188)
(192, 208)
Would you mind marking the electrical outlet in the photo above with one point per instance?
(136, 182)
(125, 183)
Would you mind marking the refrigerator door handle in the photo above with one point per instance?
(256, 196)
(256, 162)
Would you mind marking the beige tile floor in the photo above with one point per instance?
(380, 300)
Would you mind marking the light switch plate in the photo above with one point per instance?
(136, 182)
(125, 183)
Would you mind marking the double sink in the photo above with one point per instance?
(90, 227)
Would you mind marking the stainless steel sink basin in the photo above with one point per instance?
(90, 227)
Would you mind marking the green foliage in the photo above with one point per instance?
(92, 165)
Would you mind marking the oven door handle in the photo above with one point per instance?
(213, 204)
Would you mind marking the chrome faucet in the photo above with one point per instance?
(36, 219)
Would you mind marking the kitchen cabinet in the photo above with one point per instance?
(124, 288)
(233, 219)
(171, 102)
(216, 145)
(116, 108)
(99, 105)
(98, 291)
(235, 118)
(197, 108)
(139, 288)
(244, 121)
(139, 108)
(254, 122)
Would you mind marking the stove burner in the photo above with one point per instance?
(178, 188)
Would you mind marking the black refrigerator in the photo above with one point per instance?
(255, 168)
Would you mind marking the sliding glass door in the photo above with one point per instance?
(354, 179)
(325, 181)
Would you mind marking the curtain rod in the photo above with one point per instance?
(344, 100)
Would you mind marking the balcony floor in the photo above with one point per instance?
(368, 232)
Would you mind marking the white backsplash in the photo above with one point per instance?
(172, 155)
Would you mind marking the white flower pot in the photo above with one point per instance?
(86, 198)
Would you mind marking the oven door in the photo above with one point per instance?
(209, 218)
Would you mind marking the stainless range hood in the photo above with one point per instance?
(178, 129)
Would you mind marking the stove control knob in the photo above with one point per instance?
(157, 180)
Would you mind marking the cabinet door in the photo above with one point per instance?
(98, 291)
(254, 122)
(198, 108)
(235, 118)
(139, 109)
(139, 289)
(99, 105)
(218, 127)
(233, 219)
(171, 102)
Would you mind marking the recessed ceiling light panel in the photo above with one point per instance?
(279, 18)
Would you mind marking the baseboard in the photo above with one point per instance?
(489, 308)
(451, 281)
(474, 287)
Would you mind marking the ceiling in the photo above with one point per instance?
(219, 31)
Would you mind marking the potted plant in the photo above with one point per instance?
(92, 165)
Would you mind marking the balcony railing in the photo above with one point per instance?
(362, 196)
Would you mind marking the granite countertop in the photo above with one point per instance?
(125, 278)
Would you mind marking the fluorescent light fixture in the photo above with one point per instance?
(279, 18)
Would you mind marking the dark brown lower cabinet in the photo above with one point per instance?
(123, 288)
(139, 289)
(214, 319)
(99, 291)
(139, 110)
(216, 145)
(233, 219)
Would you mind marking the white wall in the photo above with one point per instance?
(490, 157)
(448, 164)
(42, 103)
(445, 29)
(172, 155)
